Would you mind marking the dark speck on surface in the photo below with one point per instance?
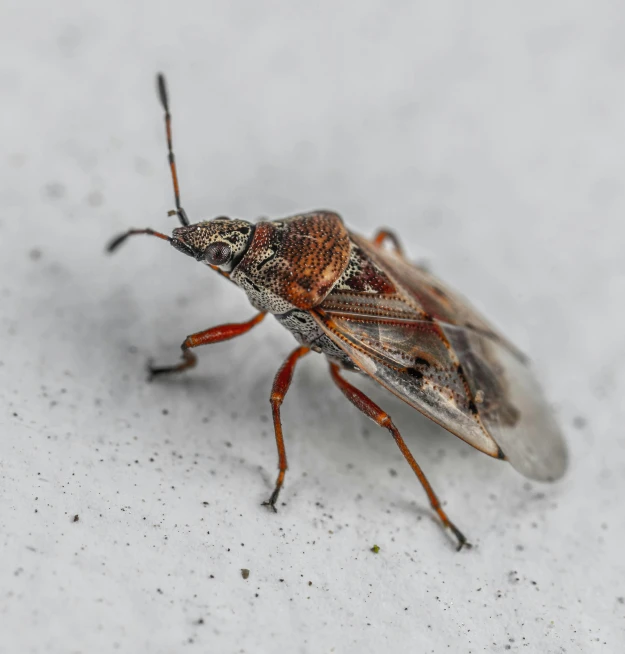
(245, 573)
(95, 199)
(579, 422)
(54, 190)
(69, 40)
(76, 518)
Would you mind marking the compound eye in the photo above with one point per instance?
(217, 254)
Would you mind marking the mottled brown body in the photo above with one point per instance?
(369, 310)
(295, 262)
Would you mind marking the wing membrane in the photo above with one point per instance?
(412, 361)
(511, 405)
(451, 366)
(427, 293)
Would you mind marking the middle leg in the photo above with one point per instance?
(281, 385)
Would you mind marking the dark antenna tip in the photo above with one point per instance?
(118, 240)
(162, 91)
(162, 94)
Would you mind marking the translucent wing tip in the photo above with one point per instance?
(543, 459)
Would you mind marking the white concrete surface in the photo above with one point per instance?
(492, 137)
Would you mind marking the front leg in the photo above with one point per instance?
(281, 385)
(212, 335)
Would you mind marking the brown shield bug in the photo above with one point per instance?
(369, 310)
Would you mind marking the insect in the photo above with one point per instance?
(369, 310)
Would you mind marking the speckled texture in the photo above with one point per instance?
(295, 262)
(491, 140)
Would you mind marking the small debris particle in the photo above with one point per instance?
(245, 573)
(165, 412)
(54, 190)
(513, 577)
(310, 583)
(375, 549)
(620, 600)
(199, 621)
(76, 518)
(479, 397)
(95, 199)
(392, 472)
(35, 254)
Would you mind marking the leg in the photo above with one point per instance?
(371, 410)
(386, 235)
(281, 385)
(213, 335)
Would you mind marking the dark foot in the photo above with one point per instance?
(462, 541)
(271, 502)
(188, 361)
(157, 372)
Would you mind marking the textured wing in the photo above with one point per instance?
(425, 291)
(429, 347)
(413, 361)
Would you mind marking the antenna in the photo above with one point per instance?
(118, 240)
(162, 94)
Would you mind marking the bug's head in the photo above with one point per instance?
(219, 243)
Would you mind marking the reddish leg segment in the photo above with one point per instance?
(373, 411)
(213, 335)
(281, 385)
(386, 235)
